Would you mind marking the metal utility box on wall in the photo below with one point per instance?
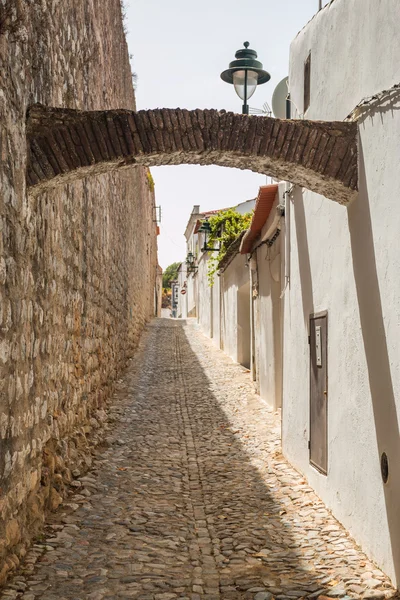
(318, 444)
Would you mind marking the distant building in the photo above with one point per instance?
(174, 298)
(206, 302)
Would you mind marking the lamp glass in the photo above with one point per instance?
(238, 82)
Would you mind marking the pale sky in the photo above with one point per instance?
(179, 49)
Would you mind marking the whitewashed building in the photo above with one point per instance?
(263, 245)
(183, 289)
(311, 302)
(341, 375)
(192, 288)
(234, 285)
(201, 300)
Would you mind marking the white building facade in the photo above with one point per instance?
(182, 311)
(263, 245)
(234, 284)
(341, 391)
(203, 301)
(316, 314)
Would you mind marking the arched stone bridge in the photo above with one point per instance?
(67, 144)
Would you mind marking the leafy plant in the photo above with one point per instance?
(124, 14)
(225, 227)
(170, 274)
(150, 181)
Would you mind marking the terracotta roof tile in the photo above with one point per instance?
(262, 209)
(205, 215)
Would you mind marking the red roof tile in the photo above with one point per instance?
(262, 209)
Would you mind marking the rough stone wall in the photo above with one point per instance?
(77, 264)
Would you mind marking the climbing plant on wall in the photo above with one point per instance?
(225, 227)
(150, 180)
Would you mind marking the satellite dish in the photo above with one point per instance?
(279, 98)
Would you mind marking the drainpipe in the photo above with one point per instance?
(252, 358)
(287, 235)
(221, 306)
(211, 311)
(287, 205)
(253, 279)
(286, 283)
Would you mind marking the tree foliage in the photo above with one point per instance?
(225, 227)
(170, 273)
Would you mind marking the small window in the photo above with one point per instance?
(307, 82)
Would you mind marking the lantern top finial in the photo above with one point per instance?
(246, 59)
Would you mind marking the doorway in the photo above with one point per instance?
(319, 391)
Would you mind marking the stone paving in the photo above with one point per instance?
(190, 497)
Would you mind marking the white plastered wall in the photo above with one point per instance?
(232, 279)
(216, 311)
(191, 295)
(209, 301)
(182, 298)
(268, 326)
(243, 325)
(347, 261)
(205, 308)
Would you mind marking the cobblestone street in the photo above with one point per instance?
(190, 497)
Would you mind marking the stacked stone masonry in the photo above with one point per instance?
(190, 497)
(67, 144)
(77, 263)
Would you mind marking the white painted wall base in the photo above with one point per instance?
(232, 279)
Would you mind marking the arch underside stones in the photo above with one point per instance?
(64, 145)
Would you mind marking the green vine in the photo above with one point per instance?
(150, 181)
(225, 227)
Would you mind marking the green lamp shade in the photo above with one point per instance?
(205, 227)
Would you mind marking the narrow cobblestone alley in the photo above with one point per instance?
(189, 497)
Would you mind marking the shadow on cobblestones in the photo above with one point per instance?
(243, 517)
(185, 502)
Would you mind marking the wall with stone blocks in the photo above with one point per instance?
(77, 265)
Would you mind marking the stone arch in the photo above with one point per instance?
(64, 145)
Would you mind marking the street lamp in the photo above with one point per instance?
(205, 228)
(191, 267)
(245, 73)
